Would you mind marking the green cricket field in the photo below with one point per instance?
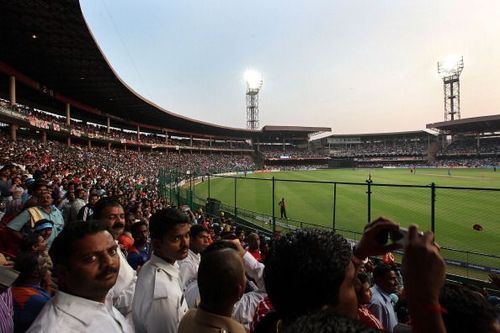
(339, 198)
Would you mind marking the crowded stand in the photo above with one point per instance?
(380, 149)
(289, 152)
(59, 200)
(79, 128)
(469, 153)
(473, 162)
(471, 146)
(89, 244)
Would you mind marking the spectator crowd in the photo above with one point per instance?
(288, 152)
(93, 130)
(88, 245)
(380, 149)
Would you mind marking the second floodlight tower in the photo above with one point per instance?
(253, 80)
(450, 70)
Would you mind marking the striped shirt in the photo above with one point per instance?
(368, 318)
(6, 312)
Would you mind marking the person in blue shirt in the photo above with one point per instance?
(140, 252)
(45, 209)
(381, 305)
(28, 295)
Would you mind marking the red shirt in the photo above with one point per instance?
(256, 254)
(263, 308)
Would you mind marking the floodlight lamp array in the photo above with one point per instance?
(451, 66)
(253, 80)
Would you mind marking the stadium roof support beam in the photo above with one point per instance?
(12, 89)
(68, 114)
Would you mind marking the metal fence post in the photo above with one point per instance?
(334, 205)
(178, 192)
(369, 192)
(170, 189)
(433, 208)
(190, 192)
(193, 192)
(235, 192)
(209, 185)
(274, 214)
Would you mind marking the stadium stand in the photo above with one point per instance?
(71, 130)
(380, 149)
(471, 142)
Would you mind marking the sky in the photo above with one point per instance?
(357, 66)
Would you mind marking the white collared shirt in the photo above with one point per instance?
(188, 268)
(159, 303)
(244, 309)
(122, 292)
(254, 269)
(69, 313)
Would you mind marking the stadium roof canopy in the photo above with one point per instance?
(295, 130)
(49, 48)
(289, 133)
(381, 135)
(485, 124)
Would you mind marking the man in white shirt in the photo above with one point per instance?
(159, 302)
(86, 263)
(79, 203)
(199, 241)
(111, 213)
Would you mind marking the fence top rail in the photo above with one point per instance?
(468, 188)
(362, 184)
(471, 252)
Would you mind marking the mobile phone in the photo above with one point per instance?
(398, 237)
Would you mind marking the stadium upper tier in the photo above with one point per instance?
(476, 125)
(55, 61)
(414, 143)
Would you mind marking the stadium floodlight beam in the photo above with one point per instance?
(253, 80)
(450, 69)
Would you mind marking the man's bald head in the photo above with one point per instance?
(221, 278)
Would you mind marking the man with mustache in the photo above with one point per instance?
(86, 263)
(381, 305)
(110, 212)
(159, 302)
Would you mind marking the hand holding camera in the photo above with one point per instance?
(375, 239)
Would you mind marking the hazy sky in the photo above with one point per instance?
(355, 66)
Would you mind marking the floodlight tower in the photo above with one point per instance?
(450, 70)
(253, 82)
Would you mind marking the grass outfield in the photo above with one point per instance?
(456, 210)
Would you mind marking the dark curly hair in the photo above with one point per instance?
(466, 310)
(304, 271)
(326, 322)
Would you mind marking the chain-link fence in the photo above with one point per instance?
(464, 220)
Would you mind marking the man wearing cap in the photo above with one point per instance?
(44, 229)
(45, 210)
